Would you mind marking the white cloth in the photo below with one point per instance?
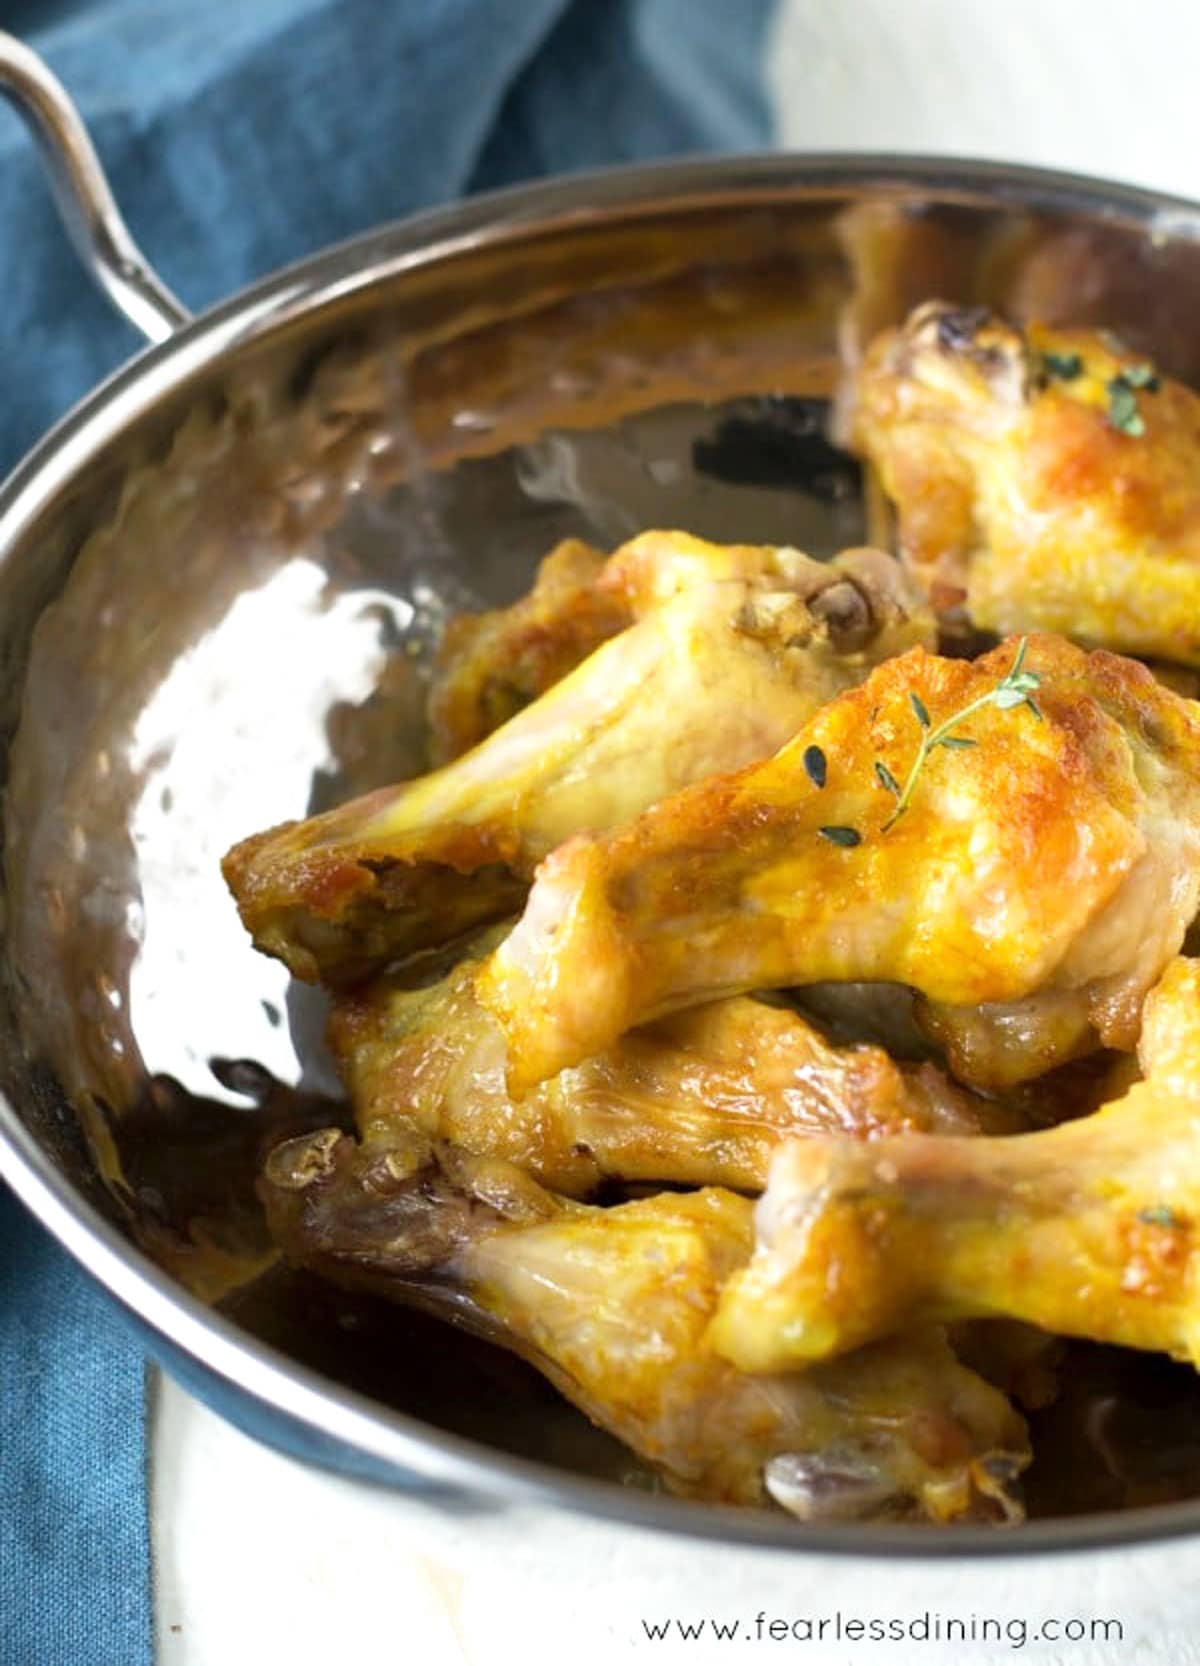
(1095, 86)
(260, 1559)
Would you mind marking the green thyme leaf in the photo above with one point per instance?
(1064, 367)
(1123, 410)
(1006, 698)
(955, 743)
(814, 765)
(885, 777)
(1160, 1215)
(847, 837)
(918, 705)
(1141, 376)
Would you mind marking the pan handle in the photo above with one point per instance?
(91, 216)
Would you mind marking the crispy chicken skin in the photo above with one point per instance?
(613, 1306)
(1048, 477)
(702, 1097)
(717, 670)
(490, 666)
(1041, 878)
(1089, 1229)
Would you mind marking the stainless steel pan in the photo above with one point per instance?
(220, 578)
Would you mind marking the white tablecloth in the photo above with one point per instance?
(259, 1560)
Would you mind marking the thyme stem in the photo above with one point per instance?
(1015, 688)
(929, 739)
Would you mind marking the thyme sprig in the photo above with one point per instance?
(1015, 688)
(1124, 412)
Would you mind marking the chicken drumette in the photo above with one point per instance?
(1048, 477)
(731, 650)
(1043, 870)
(490, 666)
(613, 1306)
(1089, 1229)
(702, 1097)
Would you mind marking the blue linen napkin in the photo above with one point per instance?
(74, 1561)
(238, 137)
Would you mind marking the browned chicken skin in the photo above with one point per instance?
(1045, 871)
(613, 1306)
(1048, 477)
(1089, 1229)
(702, 1097)
(733, 647)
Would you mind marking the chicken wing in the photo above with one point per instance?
(613, 1305)
(1089, 1229)
(701, 1097)
(713, 675)
(1048, 476)
(490, 666)
(1044, 871)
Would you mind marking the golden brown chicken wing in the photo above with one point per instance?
(1028, 865)
(1048, 477)
(717, 671)
(702, 1097)
(1089, 1229)
(613, 1305)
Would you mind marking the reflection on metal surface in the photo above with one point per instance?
(229, 741)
